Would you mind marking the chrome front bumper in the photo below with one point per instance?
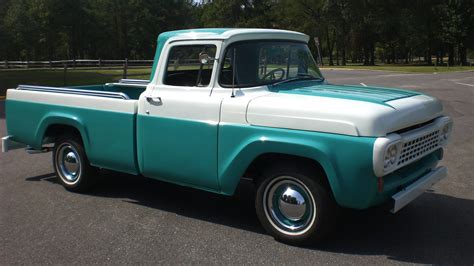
(8, 144)
(410, 193)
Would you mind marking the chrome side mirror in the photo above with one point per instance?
(204, 58)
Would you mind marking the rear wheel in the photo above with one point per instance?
(294, 205)
(71, 164)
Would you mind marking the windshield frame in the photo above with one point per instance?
(269, 83)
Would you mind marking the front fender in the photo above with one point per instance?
(235, 165)
(346, 160)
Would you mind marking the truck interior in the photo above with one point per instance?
(184, 67)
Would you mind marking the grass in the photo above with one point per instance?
(404, 68)
(56, 77)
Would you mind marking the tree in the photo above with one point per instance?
(392, 31)
(337, 14)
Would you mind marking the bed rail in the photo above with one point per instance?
(105, 94)
(134, 81)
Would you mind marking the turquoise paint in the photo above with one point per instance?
(133, 92)
(347, 161)
(165, 36)
(376, 95)
(89, 87)
(109, 137)
(210, 157)
(407, 175)
(178, 151)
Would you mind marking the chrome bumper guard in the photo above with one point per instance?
(410, 193)
(8, 144)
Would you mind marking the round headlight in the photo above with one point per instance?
(390, 156)
(445, 132)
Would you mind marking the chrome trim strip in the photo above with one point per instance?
(8, 144)
(134, 81)
(410, 193)
(105, 94)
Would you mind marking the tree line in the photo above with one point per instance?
(348, 31)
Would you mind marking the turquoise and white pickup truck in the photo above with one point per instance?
(224, 105)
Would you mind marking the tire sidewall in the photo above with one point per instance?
(318, 228)
(82, 180)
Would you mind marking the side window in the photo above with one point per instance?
(184, 67)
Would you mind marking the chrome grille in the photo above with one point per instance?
(418, 147)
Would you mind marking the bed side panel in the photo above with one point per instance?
(107, 126)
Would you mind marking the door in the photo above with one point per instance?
(178, 120)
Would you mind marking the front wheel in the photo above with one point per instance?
(72, 165)
(294, 205)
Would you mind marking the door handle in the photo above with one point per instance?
(152, 99)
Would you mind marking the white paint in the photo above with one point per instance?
(182, 102)
(242, 34)
(382, 143)
(224, 39)
(254, 106)
(160, 74)
(412, 111)
(234, 109)
(72, 100)
(258, 106)
(341, 116)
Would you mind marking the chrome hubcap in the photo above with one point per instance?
(292, 204)
(69, 163)
(289, 205)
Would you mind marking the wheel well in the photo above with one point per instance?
(255, 169)
(57, 130)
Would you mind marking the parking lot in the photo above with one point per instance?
(129, 219)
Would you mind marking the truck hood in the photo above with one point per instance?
(348, 110)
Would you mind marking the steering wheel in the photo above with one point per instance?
(271, 74)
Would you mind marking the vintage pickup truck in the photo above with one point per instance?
(224, 105)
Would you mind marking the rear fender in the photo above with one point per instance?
(56, 118)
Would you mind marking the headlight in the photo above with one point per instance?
(386, 154)
(445, 132)
(390, 157)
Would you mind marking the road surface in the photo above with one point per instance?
(128, 219)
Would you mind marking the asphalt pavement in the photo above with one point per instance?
(129, 220)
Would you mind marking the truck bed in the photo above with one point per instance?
(105, 116)
(132, 88)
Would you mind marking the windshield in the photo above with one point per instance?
(267, 62)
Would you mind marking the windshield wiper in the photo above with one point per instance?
(300, 76)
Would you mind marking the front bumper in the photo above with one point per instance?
(411, 192)
(8, 144)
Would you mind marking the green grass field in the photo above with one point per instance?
(52, 77)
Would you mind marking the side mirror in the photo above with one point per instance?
(205, 58)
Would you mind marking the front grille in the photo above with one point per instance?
(419, 147)
(411, 128)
